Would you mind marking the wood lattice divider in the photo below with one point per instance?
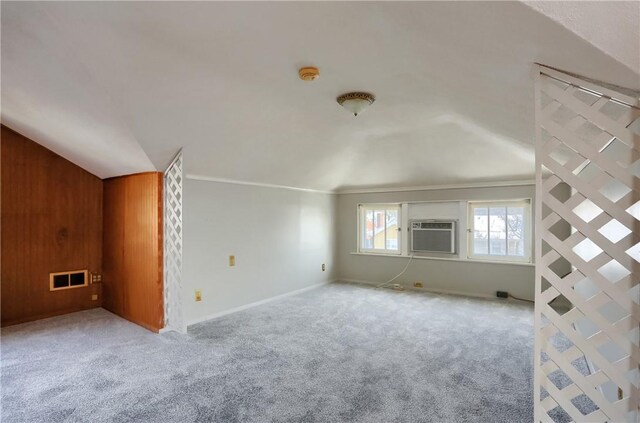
(587, 354)
(173, 179)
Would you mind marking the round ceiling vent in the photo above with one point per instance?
(309, 73)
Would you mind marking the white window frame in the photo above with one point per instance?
(361, 219)
(528, 224)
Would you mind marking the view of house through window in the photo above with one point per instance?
(379, 228)
(500, 230)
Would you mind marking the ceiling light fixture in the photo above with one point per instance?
(309, 73)
(356, 102)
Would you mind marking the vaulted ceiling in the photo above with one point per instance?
(120, 87)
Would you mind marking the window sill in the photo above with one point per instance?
(511, 263)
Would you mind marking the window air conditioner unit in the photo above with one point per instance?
(433, 236)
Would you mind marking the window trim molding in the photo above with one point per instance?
(528, 228)
(359, 234)
(452, 259)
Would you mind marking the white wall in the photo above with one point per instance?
(280, 239)
(467, 277)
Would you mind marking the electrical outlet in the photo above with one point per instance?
(198, 295)
(94, 297)
(323, 267)
(418, 285)
(232, 261)
(502, 294)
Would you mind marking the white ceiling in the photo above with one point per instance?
(119, 87)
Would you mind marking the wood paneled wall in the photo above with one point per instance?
(55, 216)
(51, 217)
(132, 251)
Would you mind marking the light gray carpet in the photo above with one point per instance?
(339, 353)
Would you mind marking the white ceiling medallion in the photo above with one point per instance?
(356, 102)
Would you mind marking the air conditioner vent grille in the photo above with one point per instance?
(433, 225)
(434, 236)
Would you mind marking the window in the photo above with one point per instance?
(500, 230)
(379, 228)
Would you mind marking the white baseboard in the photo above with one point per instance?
(255, 304)
(425, 289)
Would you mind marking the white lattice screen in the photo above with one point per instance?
(587, 353)
(173, 246)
